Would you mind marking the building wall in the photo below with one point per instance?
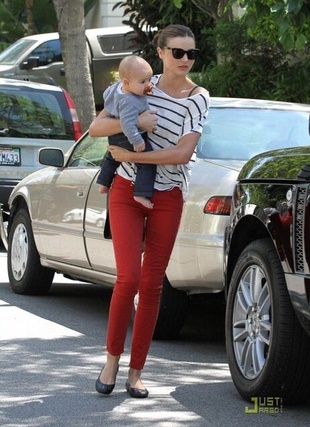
(102, 15)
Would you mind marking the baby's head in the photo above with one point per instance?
(135, 73)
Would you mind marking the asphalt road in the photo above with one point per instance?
(52, 349)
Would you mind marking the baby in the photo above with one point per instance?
(125, 100)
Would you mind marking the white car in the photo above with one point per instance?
(55, 212)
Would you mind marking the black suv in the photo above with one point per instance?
(267, 277)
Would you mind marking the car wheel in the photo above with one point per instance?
(267, 348)
(26, 274)
(172, 312)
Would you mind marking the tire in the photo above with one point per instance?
(268, 351)
(172, 312)
(26, 274)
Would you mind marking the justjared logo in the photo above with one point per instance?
(265, 405)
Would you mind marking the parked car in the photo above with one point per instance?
(32, 116)
(39, 57)
(267, 277)
(54, 213)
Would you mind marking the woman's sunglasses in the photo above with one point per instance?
(178, 53)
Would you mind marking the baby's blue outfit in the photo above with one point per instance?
(127, 107)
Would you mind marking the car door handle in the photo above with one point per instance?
(80, 193)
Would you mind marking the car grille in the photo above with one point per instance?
(299, 229)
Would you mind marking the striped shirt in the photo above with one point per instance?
(176, 118)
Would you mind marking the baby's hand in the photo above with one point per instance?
(140, 147)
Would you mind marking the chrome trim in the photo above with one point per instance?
(3, 233)
(299, 229)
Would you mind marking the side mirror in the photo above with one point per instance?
(32, 62)
(51, 157)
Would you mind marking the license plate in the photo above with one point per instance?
(9, 156)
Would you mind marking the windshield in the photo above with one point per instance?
(241, 133)
(13, 53)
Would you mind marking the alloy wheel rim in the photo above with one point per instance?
(252, 323)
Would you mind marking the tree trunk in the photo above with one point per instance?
(31, 28)
(71, 28)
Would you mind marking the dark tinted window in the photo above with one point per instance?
(27, 113)
(118, 43)
(48, 52)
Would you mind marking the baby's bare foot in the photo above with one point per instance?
(103, 189)
(144, 202)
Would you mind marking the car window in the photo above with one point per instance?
(236, 133)
(89, 153)
(26, 113)
(116, 43)
(48, 52)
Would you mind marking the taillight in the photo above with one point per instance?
(77, 129)
(218, 205)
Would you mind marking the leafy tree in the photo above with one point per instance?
(237, 59)
(10, 27)
(156, 14)
(283, 21)
(264, 54)
(15, 17)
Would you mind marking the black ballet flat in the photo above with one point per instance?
(105, 388)
(136, 392)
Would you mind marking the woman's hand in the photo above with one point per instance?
(119, 154)
(147, 120)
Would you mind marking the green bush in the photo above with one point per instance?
(248, 68)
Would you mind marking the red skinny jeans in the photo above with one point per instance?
(130, 224)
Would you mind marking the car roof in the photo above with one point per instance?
(257, 103)
(28, 84)
(94, 31)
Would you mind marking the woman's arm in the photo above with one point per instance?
(104, 125)
(177, 155)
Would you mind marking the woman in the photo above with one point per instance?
(174, 124)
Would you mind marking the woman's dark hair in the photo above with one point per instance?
(171, 31)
